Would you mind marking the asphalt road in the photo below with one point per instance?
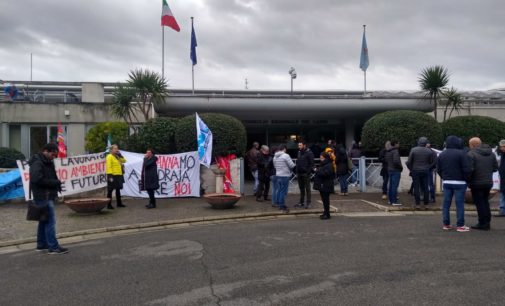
(401, 260)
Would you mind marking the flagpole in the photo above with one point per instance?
(364, 71)
(162, 52)
(192, 66)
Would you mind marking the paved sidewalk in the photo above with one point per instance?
(14, 229)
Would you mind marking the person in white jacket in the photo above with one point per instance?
(283, 165)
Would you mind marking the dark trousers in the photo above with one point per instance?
(263, 187)
(152, 199)
(385, 180)
(480, 196)
(420, 181)
(304, 185)
(325, 197)
(118, 195)
(431, 186)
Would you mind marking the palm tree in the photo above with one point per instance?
(453, 99)
(142, 90)
(432, 80)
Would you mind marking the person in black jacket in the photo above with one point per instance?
(323, 181)
(304, 166)
(149, 176)
(483, 163)
(453, 166)
(45, 185)
(265, 171)
(343, 170)
(384, 169)
(395, 169)
(501, 170)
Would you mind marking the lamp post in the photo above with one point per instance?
(292, 73)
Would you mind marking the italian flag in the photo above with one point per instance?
(167, 18)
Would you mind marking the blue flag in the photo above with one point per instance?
(363, 62)
(192, 55)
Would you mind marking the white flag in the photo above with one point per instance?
(204, 142)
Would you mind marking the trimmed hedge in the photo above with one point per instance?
(157, 134)
(96, 138)
(404, 126)
(229, 134)
(8, 157)
(489, 130)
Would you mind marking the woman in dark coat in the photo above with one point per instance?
(323, 181)
(149, 176)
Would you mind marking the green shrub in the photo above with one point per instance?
(404, 126)
(489, 130)
(157, 134)
(9, 156)
(96, 138)
(228, 133)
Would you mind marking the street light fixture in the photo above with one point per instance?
(292, 73)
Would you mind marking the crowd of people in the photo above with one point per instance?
(276, 167)
(459, 167)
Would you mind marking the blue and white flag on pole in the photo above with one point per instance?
(204, 142)
(363, 62)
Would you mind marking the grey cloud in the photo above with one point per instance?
(258, 39)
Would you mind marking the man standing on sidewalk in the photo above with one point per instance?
(501, 170)
(454, 168)
(421, 161)
(44, 185)
(283, 166)
(265, 171)
(304, 166)
(252, 161)
(395, 169)
(483, 163)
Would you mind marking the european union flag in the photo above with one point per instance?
(363, 63)
(192, 55)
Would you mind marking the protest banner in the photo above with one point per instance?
(11, 186)
(178, 174)
(79, 173)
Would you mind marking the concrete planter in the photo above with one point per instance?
(222, 200)
(87, 205)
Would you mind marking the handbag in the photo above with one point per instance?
(37, 212)
(141, 185)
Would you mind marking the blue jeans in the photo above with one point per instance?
(256, 180)
(343, 182)
(46, 231)
(273, 179)
(502, 202)
(458, 192)
(394, 182)
(282, 190)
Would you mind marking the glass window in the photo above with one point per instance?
(15, 137)
(40, 135)
(38, 138)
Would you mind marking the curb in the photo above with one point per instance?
(132, 228)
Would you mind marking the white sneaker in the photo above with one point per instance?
(462, 229)
(396, 204)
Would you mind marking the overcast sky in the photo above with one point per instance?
(102, 40)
